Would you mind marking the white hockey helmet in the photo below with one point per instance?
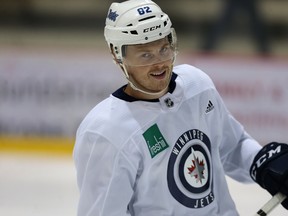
(136, 22)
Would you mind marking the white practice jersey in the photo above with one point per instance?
(164, 157)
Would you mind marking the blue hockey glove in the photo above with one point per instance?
(270, 169)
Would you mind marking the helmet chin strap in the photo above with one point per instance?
(135, 87)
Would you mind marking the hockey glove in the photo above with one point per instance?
(270, 169)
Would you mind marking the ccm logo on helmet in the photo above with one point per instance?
(152, 28)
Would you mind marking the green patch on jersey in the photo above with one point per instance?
(155, 140)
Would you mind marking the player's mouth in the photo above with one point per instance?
(159, 75)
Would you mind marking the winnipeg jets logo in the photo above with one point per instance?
(196, 170)
(189, 172)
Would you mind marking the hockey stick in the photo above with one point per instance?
(271, 204)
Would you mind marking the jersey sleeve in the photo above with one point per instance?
(104, 175)
(237, 149)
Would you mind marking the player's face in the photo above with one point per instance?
(149, 67)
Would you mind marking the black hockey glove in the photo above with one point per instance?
(270, 169)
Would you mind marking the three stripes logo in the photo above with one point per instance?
(210, 107)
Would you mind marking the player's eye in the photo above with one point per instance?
(146, 55)
(165, 50)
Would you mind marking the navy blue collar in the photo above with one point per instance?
(119, 93)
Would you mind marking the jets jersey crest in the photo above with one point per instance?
(189, 173)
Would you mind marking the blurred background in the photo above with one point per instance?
(55, 66)
(234, 26)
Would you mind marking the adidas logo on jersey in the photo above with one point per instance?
(210, 107)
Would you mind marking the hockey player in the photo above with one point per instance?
(162, 144)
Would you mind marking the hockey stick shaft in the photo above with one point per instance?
(271, 204)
